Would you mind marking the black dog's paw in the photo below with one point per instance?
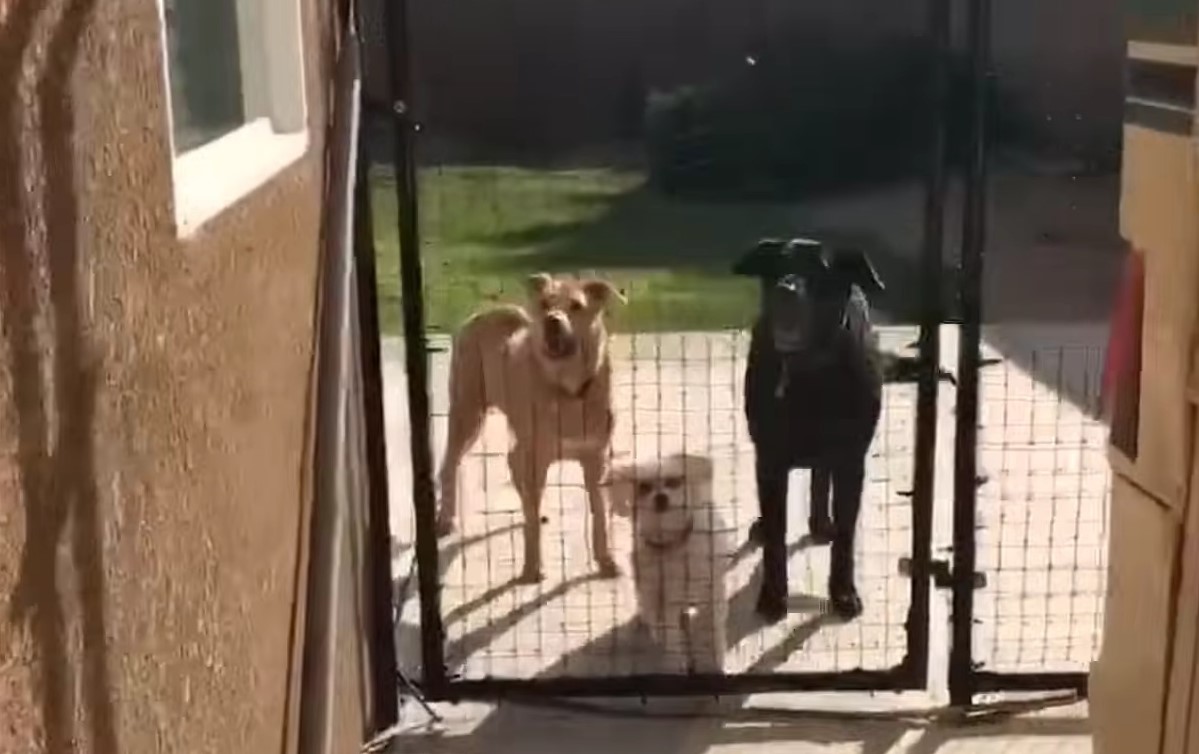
(756, 535)
(820, 531)
(845, 602)
(771, 608)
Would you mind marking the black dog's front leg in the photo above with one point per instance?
(820, 525)
(847, 502)
(772, 503)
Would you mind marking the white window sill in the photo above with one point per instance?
(1181, 55)
(211, 178)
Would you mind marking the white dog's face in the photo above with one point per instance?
(663, 497)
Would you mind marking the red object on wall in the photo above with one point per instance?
(1121, 390)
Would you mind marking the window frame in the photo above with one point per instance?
(275, 134)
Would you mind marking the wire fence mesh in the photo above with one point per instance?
(678, 349)
(491, 214)
(671, 392)
(1043, 509)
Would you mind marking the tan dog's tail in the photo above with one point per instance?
(469, 365)
(466, 368)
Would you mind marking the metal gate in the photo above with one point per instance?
(442, 676)
(1071, 448)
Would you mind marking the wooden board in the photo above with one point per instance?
(1158, 211)
(1182, 727)
(1128, 683)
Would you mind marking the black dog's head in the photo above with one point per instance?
(805, 290)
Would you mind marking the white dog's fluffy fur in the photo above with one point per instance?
(680, 557)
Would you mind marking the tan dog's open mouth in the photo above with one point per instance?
(560, 350)
(559, 343)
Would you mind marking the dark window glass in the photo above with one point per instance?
(204, 62)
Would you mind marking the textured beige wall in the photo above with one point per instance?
(153, 399)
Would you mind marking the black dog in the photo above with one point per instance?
(813, 393)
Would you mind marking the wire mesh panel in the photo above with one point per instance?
(672, 393)
(651, 150)
(1043, 502)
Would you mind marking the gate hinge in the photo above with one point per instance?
(941, 572)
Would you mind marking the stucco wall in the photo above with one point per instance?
(153, 404)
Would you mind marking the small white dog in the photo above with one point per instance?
(680, 557)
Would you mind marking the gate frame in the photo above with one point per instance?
(966, 676)
(911, 674)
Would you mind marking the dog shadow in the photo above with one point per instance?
(404, 585)
(460, 649)
(404, 588)
(747, 546)
(627, 648)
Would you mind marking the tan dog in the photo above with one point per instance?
(549, 373)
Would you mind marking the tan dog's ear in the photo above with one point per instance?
(539, 282)
(602, 292)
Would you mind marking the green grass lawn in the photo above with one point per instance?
(485, 229)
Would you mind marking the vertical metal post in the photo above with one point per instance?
(382, 627)
(399, 54)
(931, 315)
(965, 478)
(331, 493)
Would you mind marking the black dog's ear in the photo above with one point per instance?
(854, 267)
(764, 260)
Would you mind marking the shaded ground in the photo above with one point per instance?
(1053, 250)
(514, 729)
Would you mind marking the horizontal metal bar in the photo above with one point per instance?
(991, 682)
(486, 689)
(374, 108)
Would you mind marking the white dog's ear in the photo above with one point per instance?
(620, 490)
(602, 292)
(539, 282)
(697, 468)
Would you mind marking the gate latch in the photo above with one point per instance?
(942, 573)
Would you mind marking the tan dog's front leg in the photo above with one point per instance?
(528, 476)
(593, 478)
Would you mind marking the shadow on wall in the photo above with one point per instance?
(57, 478)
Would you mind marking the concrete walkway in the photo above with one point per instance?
(512, 729)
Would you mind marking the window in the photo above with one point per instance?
(236, 96)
